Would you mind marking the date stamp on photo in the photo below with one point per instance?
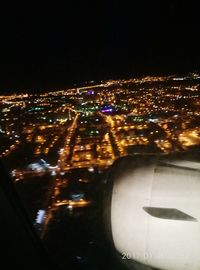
(136, 255)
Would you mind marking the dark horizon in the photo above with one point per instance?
(54, 50)
(62, 85)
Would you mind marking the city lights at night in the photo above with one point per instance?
(100, 136)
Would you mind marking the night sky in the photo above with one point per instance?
(56, 46)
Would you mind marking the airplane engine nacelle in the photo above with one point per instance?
(154, 212)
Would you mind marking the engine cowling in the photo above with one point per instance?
(154, 212)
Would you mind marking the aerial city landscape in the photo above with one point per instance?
(57, 146)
